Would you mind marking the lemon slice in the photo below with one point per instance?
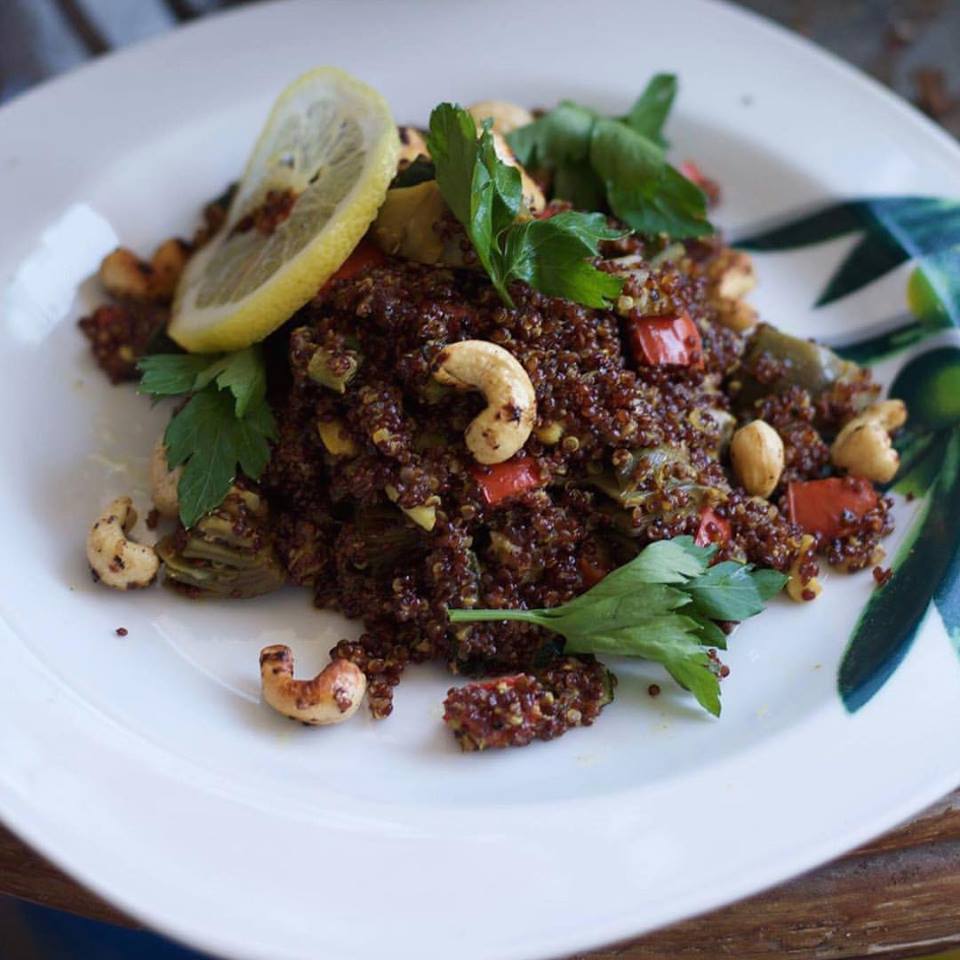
(330, 148)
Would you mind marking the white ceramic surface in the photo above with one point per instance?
(146, 767)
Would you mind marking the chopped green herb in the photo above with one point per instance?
(619, 161)
(662, 606)
(485, 195)
(226, 423)
(650, 110)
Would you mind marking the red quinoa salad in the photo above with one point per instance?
(503, 402)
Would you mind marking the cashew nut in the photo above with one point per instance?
(164, 482)
(412, 145)
(863, 447)
(128, 277)
(506, 116)
(731, 277)
(502, 428)
(533, 197)
(116, 560)
(332, 696)
(756, 452)
(405, 225)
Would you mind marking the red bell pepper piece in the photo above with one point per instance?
(365, 254)
(695, 175)
(502, 480)
(819, 505)
(672, 340)
(712, 529)
(591, 568)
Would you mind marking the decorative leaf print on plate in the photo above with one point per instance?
(894, 230)
(925, 567)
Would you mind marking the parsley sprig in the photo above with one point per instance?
(225, 424)
(617, 163)
(663, 606)
(485, 195)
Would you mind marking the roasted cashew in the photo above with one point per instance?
(164, 482)
(506, 116)
(406, 225)
(863, 447)
(757, 454)
(116, 560)
(502, 428)
(126, 276)
(533, 197)
(412, 145)
(332, 696)
(730, 277)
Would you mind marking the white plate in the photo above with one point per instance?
(146, 767)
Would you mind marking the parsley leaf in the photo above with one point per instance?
(642, 189)
(563, 144)
(170, 374)
(621, 162)
(225, 423)
(650, 110)
(661, 606)
(244, 376)
(551, 255)
(485, 195)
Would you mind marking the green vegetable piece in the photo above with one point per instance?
(225, 423)
(243, 374)
(485, 195)
(617, 162)
(650, 110)
(333, 370)
(660, 606)
(228, 553)
(551, 255)
(643, 190)
(806, 364)
(211, 442)
(172, 374)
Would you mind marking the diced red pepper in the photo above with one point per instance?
(502, 480)
(592, 567)
(712, 529)
(366, 254)
(819, 505)
(695, 175)
(674, 340)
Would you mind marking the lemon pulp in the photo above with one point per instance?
(329, 149)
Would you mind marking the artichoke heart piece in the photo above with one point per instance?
(801, 363)
(333, 370)
(228, 553)
(646, 481)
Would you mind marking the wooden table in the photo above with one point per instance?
(896, 897)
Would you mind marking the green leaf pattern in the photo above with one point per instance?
(894, 231)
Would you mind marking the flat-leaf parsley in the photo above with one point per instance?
(225, 424)
(663, 606)
(485, 195)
